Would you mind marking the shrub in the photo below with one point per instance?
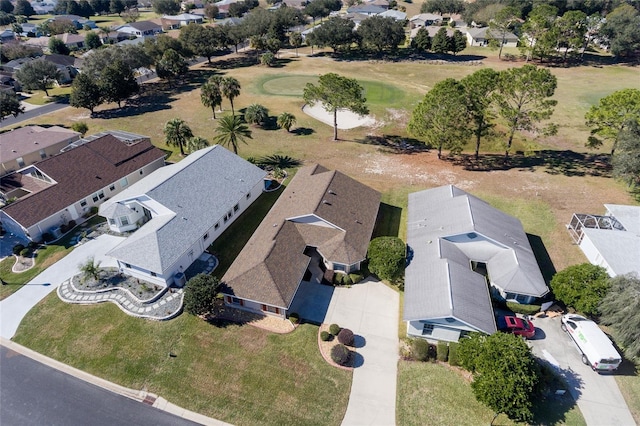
(453, 354)
(338, 279)
(346, 337)
(581, 286)
(64, 228)
(25, 252)
(443, 351)
(71, 224)
(294, 317)
(325, 336)
(340, 354)
(32, 245)
(386, 257)
(17, 249)
(200, 294)
(420, 350)
(356, 277)
(519, 308)
(80, 127)
(94, 210)
(46, 237)
(334, 329)
(346, 280)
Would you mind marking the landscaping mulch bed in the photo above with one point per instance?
(325, 349)
(223, 314)
(112, 278)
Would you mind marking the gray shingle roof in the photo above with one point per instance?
(447, 229)
(197, 192)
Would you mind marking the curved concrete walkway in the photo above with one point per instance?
(370, 310)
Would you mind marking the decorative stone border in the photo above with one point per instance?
(33, 263)
(116, 288)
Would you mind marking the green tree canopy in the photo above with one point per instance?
(621, 311)
(335, 92)
(230, 131)
(99, 60)
(501, 24)
(422, 40)
(166, 7)
(9, 105)
(6, 6)
(581, 286)
(230, 88)
(539, 32)
(612, 114)
(57, 46)
(171, 65)
(200, 294)
(38, 75)
(202, 40)
(336, 32)
(296, 40)
(92, 40)
(626, 161)
(479, 88)
(117, 82)
(90, 269)
(572, 29)
(85, 92)
(440, 42)
(23, 7)
(458, 42)
(196, 142)
(387, 256)
(523, 100)
(256, 114)
(381, 33)
(622, 30)
(177, 132)
(441, 117)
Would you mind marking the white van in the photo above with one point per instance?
(597, 350)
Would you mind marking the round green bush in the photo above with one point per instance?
(340, 354)
(17, 249)
(334, 329)
(294, 317)
(420, 350)
(346, 337)
(325, 336)
(386, 257)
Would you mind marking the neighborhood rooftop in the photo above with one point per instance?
(19, 142)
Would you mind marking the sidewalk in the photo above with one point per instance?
(140, 396)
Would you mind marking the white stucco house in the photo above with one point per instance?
(482, 36)
(462, 253)
(178, 211)
(611, 240)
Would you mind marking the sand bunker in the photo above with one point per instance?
(346, 118)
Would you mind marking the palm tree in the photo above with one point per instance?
(231, 130)
(90, 269)
(211, 96)
(256, 114)
(195, 143)
(177, 132)
(286, 120)
(230, 89)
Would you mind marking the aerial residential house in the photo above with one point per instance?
(463, 253)
(178, 211)
(432, 31)
(425, 20)
(27, 145)
(65, 187)
(140, 28)
(182, 20)
(367, 9)
(611, 240)
(482, 37)
(395, 14)
(78, 21)
(323, 221)
(44, 7)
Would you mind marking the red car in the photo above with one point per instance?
(517, 326)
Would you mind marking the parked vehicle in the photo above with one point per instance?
(596, 348)
(517, 326)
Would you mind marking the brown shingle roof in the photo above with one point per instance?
(271, 265)
(79, 173)
(19, 142)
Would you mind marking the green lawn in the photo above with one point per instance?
(239, 374)
(56, 94)
(432, 394)
(629, 385)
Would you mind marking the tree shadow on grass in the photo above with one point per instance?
(568, 163)
(395, 144)
(281, 63)
(236, 62)
(302, 131)
(401, 55)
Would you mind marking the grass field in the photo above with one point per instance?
(56, 94)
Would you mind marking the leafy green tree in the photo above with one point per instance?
(90, 269)
(539, 33)
(440, 42)
(195, 143)
(166, 7)
(379, 33)
(86, 10)
(622, 30)
(155, 47)
(200, 294)
(230, 88)
(211, 95)
(611, 116)
(177, 132)
(386, 256)
(6, 6)
(23, 7)
(442, 6)
(130, 15)
(230, 131)
(99, 6)
(99, 60)
(621, 311)
(38, 75)
(117, 82)
(116, 6)
(523, 100)
(9, 105)
(201, 40)
(85, 92)
(316, 9)
(581, 286)
(572, 29)
(457, 42)
(8, 18)
(335, 92)
(501, 25)
(441, 117)
(505, 373)
(57, 46)
(626, 161)
(479, 88)
(256, 114)
(92, 40)
(80, 127)
(295, 40)
(336, 32)
(286, 120)
(268, 59)
(422, 40)
(171, 65)
(211, 11)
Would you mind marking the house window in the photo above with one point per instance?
(153, 274)
(83, 203)
(235, 300)
(217, 225)
(112, 188)
(124, 220)
(427, 329)
(225, 218)
(43, 154)
(112, 221)
(205, 237)
(20, 161)
(272, 309)
(339, 267)
(235, 208)
(124, 182)
(101, 195)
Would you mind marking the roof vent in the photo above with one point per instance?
(332, 192)
(184, 218)
(326, 202)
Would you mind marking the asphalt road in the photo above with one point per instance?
(36, 112)
(32, 393)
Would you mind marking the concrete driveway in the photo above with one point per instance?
(597, 395)
(16, 306)
(370, 310)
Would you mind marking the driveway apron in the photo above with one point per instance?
(597, 395)
(16, 306)
(370, 310)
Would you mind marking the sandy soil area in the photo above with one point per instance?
(346, 118)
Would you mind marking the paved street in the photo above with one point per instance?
(598, 396)
(32, 113)
(35, 394)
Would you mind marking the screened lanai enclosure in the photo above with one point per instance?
(592, 221)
